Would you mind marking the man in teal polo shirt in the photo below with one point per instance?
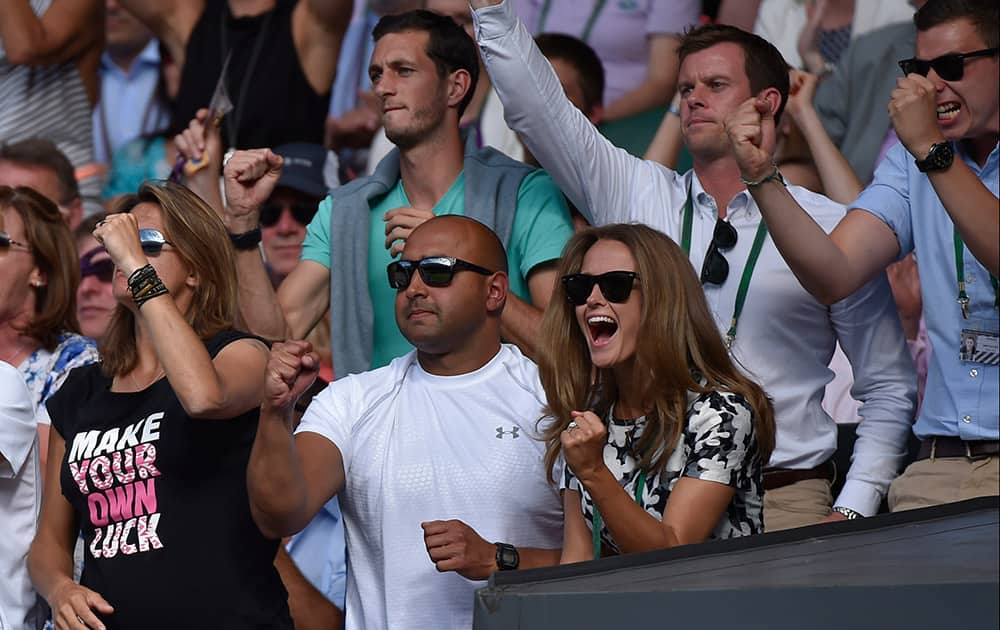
(423, 71)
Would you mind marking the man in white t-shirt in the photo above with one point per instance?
(431, 456)
(20, 499)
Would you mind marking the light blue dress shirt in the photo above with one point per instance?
(128, 107)
(319, 553)
(962, 397)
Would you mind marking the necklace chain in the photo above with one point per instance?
(135, 383)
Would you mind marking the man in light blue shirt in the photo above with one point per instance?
(936, 195)
(130, 104)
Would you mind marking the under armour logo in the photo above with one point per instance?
(513, 432)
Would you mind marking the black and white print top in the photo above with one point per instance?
(718, 444)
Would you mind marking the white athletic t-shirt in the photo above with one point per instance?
(20, 500)
(419, 447)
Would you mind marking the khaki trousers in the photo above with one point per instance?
(944, 480)
(796, 505)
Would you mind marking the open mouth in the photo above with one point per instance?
(602, 329)
(948, 111)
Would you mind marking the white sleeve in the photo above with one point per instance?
(330, 415)
(598, 177)
(18, 426)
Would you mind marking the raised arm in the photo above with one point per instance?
(972, 207)
(289, 478)
(171, 21)
(840, 182)
(250, 177)
(830, 267)
(66, 30)
(592, 172)
(318, 28)
(219, 388)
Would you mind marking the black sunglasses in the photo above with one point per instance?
(615, 286)
(715, 269)
(104, 269)
(6, 241)
(303, 212)
(152, 241)
(436, 271)
(948, 67)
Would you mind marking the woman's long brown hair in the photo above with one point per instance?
(678, 340)
(203, 244)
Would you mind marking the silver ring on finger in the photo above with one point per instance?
(572, 425)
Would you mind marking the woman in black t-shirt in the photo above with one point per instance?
(149, 448)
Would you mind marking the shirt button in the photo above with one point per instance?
(969, 279)
(967, 419)
(973, 373)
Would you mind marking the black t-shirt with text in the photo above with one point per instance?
(162, 503)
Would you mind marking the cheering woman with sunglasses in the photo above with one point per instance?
(663, 439)
(38, 281)
(149, 449)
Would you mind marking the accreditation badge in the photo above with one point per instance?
(979, 345)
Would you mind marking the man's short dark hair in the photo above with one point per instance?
(448, 45)
(41, 153)
(582, 58)
(763, 64)
(984, 14)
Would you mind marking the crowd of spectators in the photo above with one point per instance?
(316, 313)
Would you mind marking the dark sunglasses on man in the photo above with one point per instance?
(948, 67)
(715, 269)
(103, 270)
(303, 212)
(437, 271)
(615, 286)
(7, 242)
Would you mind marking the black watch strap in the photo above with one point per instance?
(246, 240)
(938, 158)
(508, 558)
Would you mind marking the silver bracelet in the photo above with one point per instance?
(848, 513)
(775, 176)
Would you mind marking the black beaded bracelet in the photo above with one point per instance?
(144, 285)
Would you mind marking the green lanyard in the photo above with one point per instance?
(741, 292)
(963, 297)
(639, 487)
(588, 27)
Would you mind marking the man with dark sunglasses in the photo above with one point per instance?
(95, 300)
(781, 335)
(448, 431)
(935, 194)
(292, 205)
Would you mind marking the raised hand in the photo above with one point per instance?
(751, 133)
(801, 92)
(399, 222)
(73, 607)
(250, 177)
(808, 44)
(454, 546)
(583, 444)
(291, 369)
(119, 234)
(201, 146)
(913, 112)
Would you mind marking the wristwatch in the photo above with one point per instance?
(246, 240)
(939, 158)
(508, 558)
(848, 513)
